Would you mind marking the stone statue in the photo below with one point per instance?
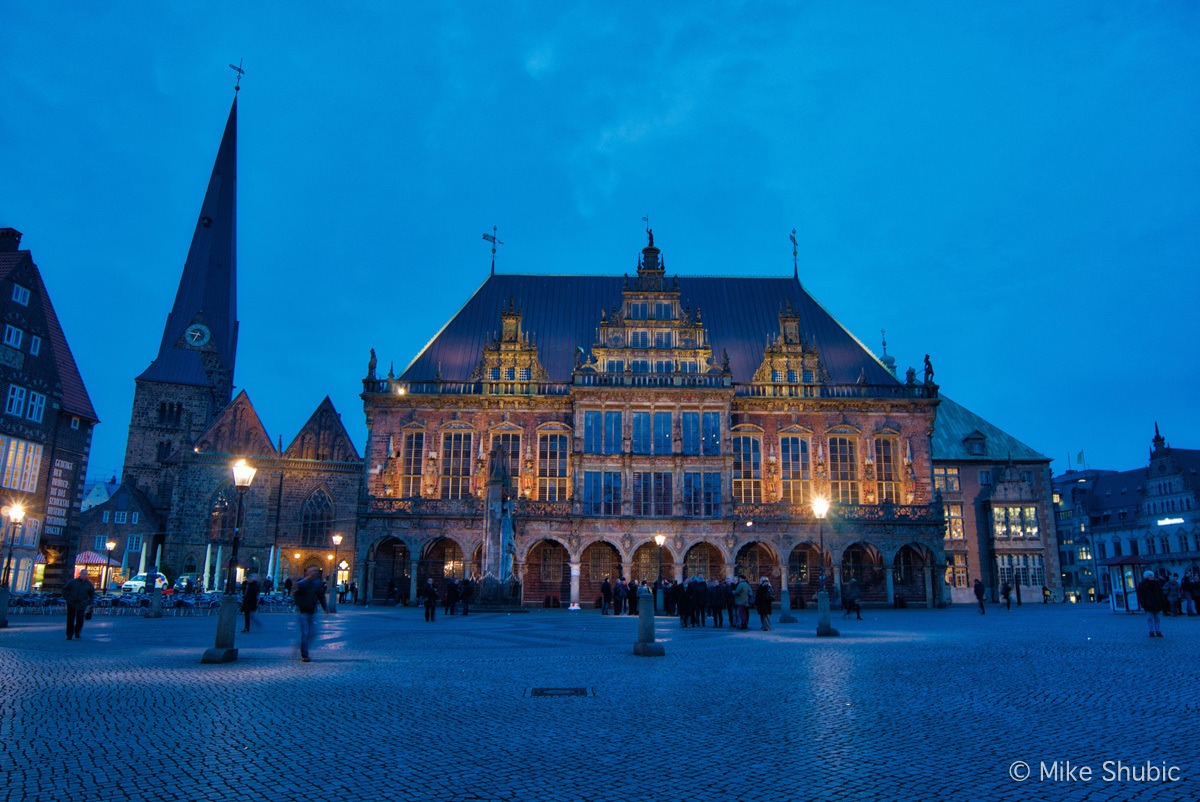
(650, 233)
(371, 365)
(928, 370)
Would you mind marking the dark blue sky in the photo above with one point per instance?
(1013, 188)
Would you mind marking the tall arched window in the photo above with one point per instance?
(224, 514)
(316, 525)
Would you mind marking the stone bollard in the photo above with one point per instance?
(155, 608)
(785, 606)
(645, 646)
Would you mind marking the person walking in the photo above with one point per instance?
(78, 594)
(466, 592)
(619, 593)
(451, 597)
(1006, 594)
(764, 596)
(850, 597)
(1172, 592)
(1151, 599)
(741, 601)
(1189, 591)
(310, 592)
(606, 595)
(979, 595)
(250, 601)
(431, 599)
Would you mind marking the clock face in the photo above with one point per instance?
(197, 335)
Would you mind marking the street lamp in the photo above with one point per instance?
(109, 545)
(820, 508)
(223, 650)
(337, 541)
(660, 540)
(15, 514)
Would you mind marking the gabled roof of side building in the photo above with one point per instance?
(75, 399)
(955, 425)
(561, 313)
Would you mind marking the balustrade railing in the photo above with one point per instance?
(651, 380)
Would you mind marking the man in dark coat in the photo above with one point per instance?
(1153, 601)
(619, 593)
(606, 596)
(310, 592)
(451, 596)
(466, 593)
(431, 599)
(979, 595)
(78, 594)
(250, 600)
(697, 600)
(716, 602)
(683, 603)
(633, 597)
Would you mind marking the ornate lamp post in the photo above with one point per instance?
(223, 650)
(658, 594)
(820, 508)
(15, 514)
(333, 585)
(109, 545)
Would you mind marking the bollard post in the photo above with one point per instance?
(645, 646)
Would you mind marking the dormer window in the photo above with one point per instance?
(976, 445)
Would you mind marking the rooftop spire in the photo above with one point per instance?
(205, 308)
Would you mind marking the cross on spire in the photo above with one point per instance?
(492, 239)
(237, 86)
(795, 263)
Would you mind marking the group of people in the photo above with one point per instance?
(695, 600)
(1162, 594)
(456, 592)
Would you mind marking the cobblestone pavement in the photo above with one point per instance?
(906, 705)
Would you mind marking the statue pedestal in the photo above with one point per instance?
(645, 646)
(223, 651)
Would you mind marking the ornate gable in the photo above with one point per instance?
(237, 430)
(789, 363)
(511, 357)
(651, 332)
(323, 437)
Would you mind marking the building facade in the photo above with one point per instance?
(46, 428)
(186, 430)
(710, 411)
(999, 507)
(1142, 519)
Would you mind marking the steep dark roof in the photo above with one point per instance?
(75, 399)
(562, 312)
(955, 423)
(1113, 492)
(208, 286)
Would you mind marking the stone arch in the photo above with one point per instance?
(804, 573)
(757, 559)
(908, 573)
(392, 563)
(598, 560)
(190, 564)
(547, 573)
(440, 559)
(863, 563)
(705, 560)
(645, 562)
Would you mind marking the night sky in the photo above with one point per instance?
(1011, 187)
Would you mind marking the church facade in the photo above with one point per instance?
(187, 429)
(630, 408)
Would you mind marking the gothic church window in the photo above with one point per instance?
(223, 514)
(316, 520)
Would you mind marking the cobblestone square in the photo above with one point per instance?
(908, 704)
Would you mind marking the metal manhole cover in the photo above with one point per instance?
(558, 692)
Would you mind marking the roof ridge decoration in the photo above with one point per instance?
(203, 317)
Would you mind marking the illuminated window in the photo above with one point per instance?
(887, 478)
(954, 520)
(456, 465)
(795, 468)
(552, 563)
(747, 470)
(552, 467)
(410, 465)
(843, 470)
(946, 480)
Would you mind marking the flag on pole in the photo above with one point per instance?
(1079, 459)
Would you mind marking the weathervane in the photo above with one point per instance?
(795, 264)
(492, 239)
(237, 86)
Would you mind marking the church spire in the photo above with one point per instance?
(203, 319)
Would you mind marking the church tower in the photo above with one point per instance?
(191, 379)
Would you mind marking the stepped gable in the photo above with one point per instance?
(323, 437)
(563, 313)
(75, 398)
(237, 430)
